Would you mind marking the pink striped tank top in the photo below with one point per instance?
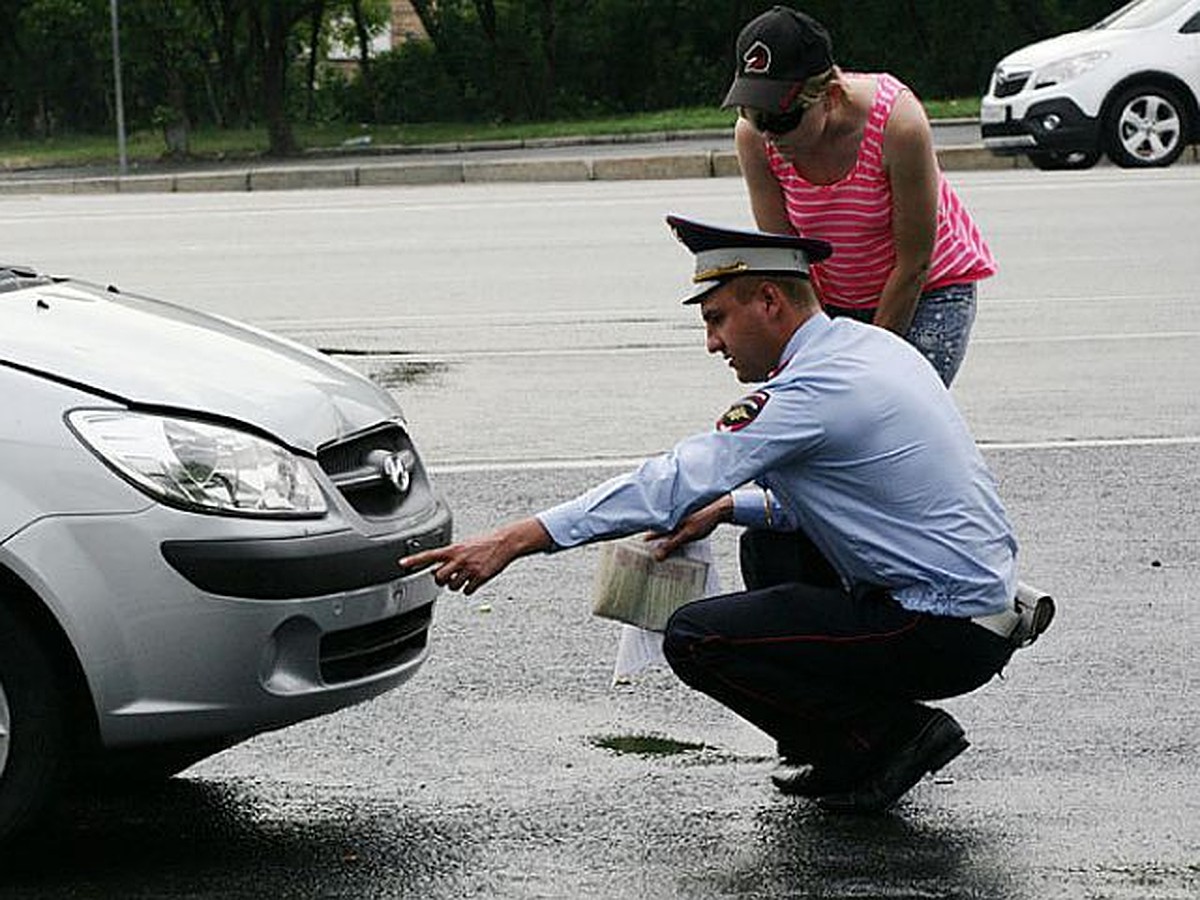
(855, 215)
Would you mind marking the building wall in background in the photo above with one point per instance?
(406, 24)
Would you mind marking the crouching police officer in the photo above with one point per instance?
(879, 562)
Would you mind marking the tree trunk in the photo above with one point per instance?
(914, 17)
(498, 74)
(176, 125)
(487, 18)
(271, 36)
(364, 57)
(314, 47)
(427, 12)
(231, 94)
(549, 23)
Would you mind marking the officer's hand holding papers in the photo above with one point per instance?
(642, 580)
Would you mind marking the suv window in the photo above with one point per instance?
(1192, 25)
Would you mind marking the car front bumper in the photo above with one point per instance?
(192, 627)
(1052, 125)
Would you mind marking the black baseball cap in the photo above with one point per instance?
(776, 52)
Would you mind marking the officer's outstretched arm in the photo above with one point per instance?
(469, 564)
(695, 526)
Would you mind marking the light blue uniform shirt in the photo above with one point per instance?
(853, 440)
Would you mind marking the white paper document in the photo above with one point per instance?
(633, 588)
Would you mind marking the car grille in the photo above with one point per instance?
(368, 649)
(1009, 85)
(352, 466)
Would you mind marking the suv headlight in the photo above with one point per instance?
(1066, 69)
(205, 467)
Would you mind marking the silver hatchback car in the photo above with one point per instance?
(200, 528)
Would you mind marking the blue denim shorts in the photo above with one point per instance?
(941, 326)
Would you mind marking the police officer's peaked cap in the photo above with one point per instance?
(724, 253)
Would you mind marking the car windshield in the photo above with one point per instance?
(1140, 13)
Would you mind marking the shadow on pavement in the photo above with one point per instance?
(805, 852)
(212, 839)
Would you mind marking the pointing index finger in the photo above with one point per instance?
(425, 558)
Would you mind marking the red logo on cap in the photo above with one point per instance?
(757, 59)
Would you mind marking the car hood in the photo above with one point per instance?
(146, 352)
(1066, 45)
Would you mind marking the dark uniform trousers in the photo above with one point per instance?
(835, 677)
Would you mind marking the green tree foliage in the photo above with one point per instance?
(56, 46)
(522, 59)
(945, 48)
(263, 62)
(163, 64)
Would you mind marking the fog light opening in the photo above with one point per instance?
(289, 663)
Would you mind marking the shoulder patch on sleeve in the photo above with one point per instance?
(743, 412)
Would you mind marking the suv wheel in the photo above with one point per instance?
(1055, 160)
(1146, 127)
(32, 725)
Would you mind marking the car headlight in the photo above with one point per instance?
(205, 467)
(1066, 69)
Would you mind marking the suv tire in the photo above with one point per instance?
(33, 731)
(1146, 127)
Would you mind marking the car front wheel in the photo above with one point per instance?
(32, 725)
(1146, 127)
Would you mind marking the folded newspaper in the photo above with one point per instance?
(634, 587)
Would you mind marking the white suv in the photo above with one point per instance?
(200, 534)
(1128, 86)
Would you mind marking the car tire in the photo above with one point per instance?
(1058, 161)
(1146, 127)
(33, 725)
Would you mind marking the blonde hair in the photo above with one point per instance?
(815, 86)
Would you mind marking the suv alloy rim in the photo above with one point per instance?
(1149, 127)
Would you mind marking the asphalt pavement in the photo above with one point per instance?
(661, 155)
(534, 337)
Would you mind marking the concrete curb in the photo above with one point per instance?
(544, 143)
(709, 164)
